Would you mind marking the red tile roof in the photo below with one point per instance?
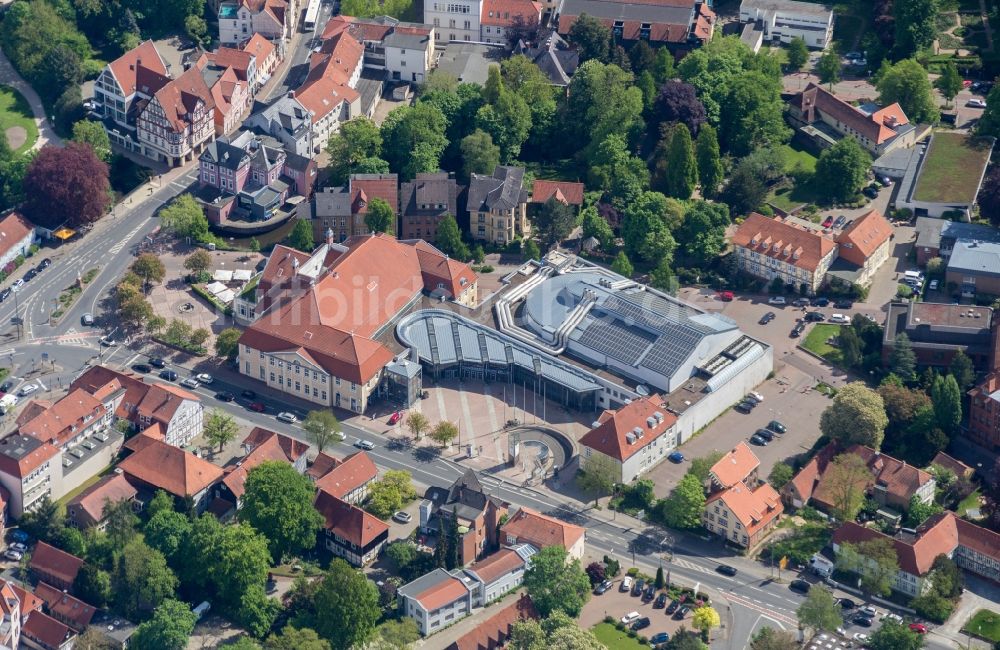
(65, 607)
(497, 565)
(610, 437)
(29, 601)
(55, 563)
(171, 469)
(565, 191)
(230, 57)
(334, 320)
(540, 530)
(914, 558)
(91, 502)
(956, 466)
(353, 472)
(65, 419)
(503, 12)
(266, 445)
(14, 228)
(21, 455)
(877, 127)
(738, 463)
(755, 509)
(322, 465)
(348, 521)
(898, 478)
(125, 67)
(365, 187)
(782, 240)
(494, 631)
(45, 630)
(863, 237)
(441, 594)
(437, 268)
(260, 47)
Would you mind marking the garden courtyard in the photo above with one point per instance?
(17, 122)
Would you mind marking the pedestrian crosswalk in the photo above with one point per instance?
(75, 337)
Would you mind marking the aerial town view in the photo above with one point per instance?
(499, 324)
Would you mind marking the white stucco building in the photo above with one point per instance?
(783, 20)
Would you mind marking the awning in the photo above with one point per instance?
(64, 233)
(223, 275)
(215, 288)
(242, 275)
(226, 296)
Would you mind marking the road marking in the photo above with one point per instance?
(114, 250)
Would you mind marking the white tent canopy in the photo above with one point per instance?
(222, 275)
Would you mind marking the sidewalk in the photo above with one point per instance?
(10, 77)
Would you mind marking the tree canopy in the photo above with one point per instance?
(66, 185)
(906, 82)
(556, 584)
(857, 415)
(277, 502)
(843, 168)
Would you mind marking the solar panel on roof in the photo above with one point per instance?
(617, 340)
(669, 353)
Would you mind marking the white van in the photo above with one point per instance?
(202, 609)
(7, 402)
(913, 278)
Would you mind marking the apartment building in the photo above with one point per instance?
(436, 600)
(54, 566)
(500, 15)
(424, 202)
(10, 617)
(984, 412)
(677, 24)
(349, 532)
(862, 248)
(17, 234)
(740, 508)
(497, 206)
(351, 479)
(774, 248)
(404, 50)
(454, 20)
(343, 209)
(30, 469)
(241, 19)
(527, 526)
(937, 331)
(783, 20)
(633, 439)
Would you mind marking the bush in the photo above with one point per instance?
(903, 291)
(801, 544)
(633, 572)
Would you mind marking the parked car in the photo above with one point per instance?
(641, 624)
(6, 386)
(765, 434)
(798, 329)
(869, 611)
(630, 617)
(13, 556)
(157, 362)
(204, 378)
(142, 367)
(766, 318)
(658, 638)
(394, 418)
(18, 283)
(847, 603)
(367, 445)
(839, 221)
(800, 586)
(256, 407)
(933, 285)
(757, 440)
(860, 637)
(820, 302)
(661, 600)
(626, 584)
(108, 341)
(249, 394)
(801, 302)
(30, 275)
(862, 620)
(871, 192)
(828, 222)
(637, 586)
(169, 375)
(676, 457)
(649, 593)
(726, 296)
(744, 407)
(814, 317)
(844, 303)
(839, 318)
(776, 426)
(5, 294)
(726, 570)
(976, 103)
(884, 181)
(402, 517)
(191, 383)
(777, 300)
(755, 396)
(602, 588)
(287, 417)
(672, 607)
(87, 319)
(225, 396)
(27, 389)
(681, 613)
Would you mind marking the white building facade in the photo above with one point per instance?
(784, 20)
(454, 20)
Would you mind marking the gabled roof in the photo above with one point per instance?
(353, 472)
(877, 127)
(161, 401)
(494, 631)
(616, 434)
(938, 535)
(754, 509)
(45, 630)
(532, 527)
(65, 607)
(169, 468)
(899, 479)
(110, 489)
(54, 562)
(436, 268)
(436, 589)
(430, 190)
(956, 466)
(503, 12)
(348, 521)
(667, 20)
(566, 192)
(738, 463)
(504, 190)
(499, 564)
(321, 465)
(13, 229)
(259, 47)
(264, 445)
(29, 601)
(365, 187)
(863, 237)
(65, 419)
(181, 97)
(782, 240)
(143, 55)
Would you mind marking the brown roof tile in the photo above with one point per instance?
(353, 472)
(181, 96)
(442, 593)
(496, 565)
(124, 67)
(610, 437)
(876, 127)
(956, 466)
(110, 489)
(863, 237)
(65, 419)
(51, 561)
(21, 455)
(265, 445)
(171, 469)
(321, 466)
(568, 192)
(494, 631)
(540, 530)
(65, 607)
(45, 630)
(29, 601)
(782, 240)
(503, 12)
(738, 463)
(938, 535)
(755, 509)
(348, 521)
(13, 229)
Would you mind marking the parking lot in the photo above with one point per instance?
(616, 604)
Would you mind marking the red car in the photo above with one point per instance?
(919, 628)
(828, 222)
(726, 296)
(394, 418)
(256, 406)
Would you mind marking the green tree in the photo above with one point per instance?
(683, 508)
(828, 67)
(93, 134)
(769, 638)
(505, 117)
(947, 399)
(915, 26)
(45, 521)
(530, 250)
(444, 432)
(414, 139)
(705, 618)
(751, 115)
(169, 629)
(950, 81)
(554, 221)
(344, 607)
(906, 82)
(449, 239)
(663, 66)
(798, 54)
(322, 427)
(591, 38)
(602, 102)
(895, 636)
(92, 585)
(646, 227)
(710, 170)
(847, 479)
(617, 172)
(876, 563)
(702, 234)
(596, 226)
(857, 415)
(185, 218)
(161, 502)
(402, 553)
(400, 634)
(556, 584)
(662, 278)
(166, 532)
(780, 474)
(227, 343)
(141, 581)
(220, 428)
(479, 154)
(254, 245)
(918, 512)
(390, 494)
(902, 359)
(658, 582)
(989, 122)
(149, 267)
(701, 466)
(301, 237)
(198, 261)
(277, 502)
(850, 347)
(380, 217)
(356, 141)
(417, 423)
(292, 638)
(843, 168)
(622, 265)
(963, 372)
(819, 611)
(745, 190)
(677, 166)
(599, 476)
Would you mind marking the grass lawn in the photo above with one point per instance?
(951, 169)
(816, 342)
(607, 634)
(797, 157)
(86, 484)
(564, 169)
(14, 111)
(968, 503)
(789, 198)
(985, 624)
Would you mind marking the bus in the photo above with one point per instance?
(312, 13)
